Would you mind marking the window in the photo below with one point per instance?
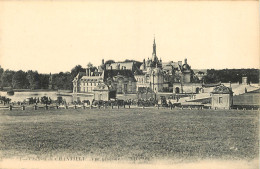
(125, 88)
(220, 100)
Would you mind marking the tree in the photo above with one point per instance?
(137, 63)
(19, 80)
(43, 81)
(7, 77)
(34, 80)
(89, 65)
(109, 62)
(231, 75)
(1, 74)
(63, 81)
(76, 70)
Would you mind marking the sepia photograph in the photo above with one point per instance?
(129, 84)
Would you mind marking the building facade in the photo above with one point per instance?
(128, 77)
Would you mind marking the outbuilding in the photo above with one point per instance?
(104, 92)
(222, 97)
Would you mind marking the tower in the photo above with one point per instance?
(154, 56)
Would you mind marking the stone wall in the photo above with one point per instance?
(187, 88)
(221, 101)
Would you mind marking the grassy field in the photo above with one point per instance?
(130, 134)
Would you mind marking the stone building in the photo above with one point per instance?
(187, 88)
(222, 97)
(122, 80)
(86, 82)
(151, 73)
(128, 77)
(104, 92)
(244, 80)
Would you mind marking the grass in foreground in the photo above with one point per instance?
(130, 134)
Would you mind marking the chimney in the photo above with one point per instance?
(87, 71)
(185, 61)
(103, 62)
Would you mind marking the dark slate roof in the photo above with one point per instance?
(113, 73)
(222, 90)
(138, 72)
(127, 65)
(186, 67)
(102, 87)
(79, 76)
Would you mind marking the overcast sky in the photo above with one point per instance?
(55, 36)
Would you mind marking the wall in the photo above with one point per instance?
(188, 87)
(186, 77)
(224, 103)
(101, 95)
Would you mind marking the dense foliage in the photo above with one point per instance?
(34, 80)
(232, 75)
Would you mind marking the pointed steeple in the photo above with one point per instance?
(154, 47)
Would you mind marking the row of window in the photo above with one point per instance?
(140, 80)
(87, 89)
(90, 84)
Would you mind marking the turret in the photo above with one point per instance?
(144, 66)
(154, 57)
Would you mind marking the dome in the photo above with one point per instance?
(186, 67)
(222, 90)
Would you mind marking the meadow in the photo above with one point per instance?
(130, 134)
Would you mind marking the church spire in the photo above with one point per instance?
(154, 47)
(154, 56)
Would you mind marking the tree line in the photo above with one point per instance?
(231, 75)
(34, 80)
(63, 80)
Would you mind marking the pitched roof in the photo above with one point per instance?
(113, 73)
(102, 87)
(126, 65)
(91, 77)
(222, 90)
(79, 76)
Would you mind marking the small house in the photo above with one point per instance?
(222, 97)
(104, 92)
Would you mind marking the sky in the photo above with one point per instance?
(55, 36)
